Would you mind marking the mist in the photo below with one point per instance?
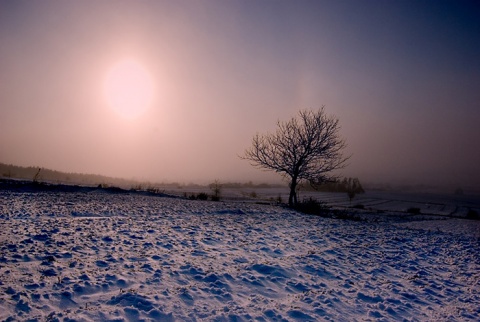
(402, 77)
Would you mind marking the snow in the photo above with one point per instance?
(125, 257)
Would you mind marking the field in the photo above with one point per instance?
(98, 255)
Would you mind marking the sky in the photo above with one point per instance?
(403, 78)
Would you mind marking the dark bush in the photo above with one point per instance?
(155, 190)
(202, 196)
(313, 207)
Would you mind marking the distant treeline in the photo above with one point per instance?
(347, 185)
(38, 174)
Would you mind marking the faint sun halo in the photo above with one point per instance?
(128, 88)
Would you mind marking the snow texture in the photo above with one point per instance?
(129, 257)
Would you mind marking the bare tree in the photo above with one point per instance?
(216, 188)
(37, 176)
(305, 148)
(353, 187)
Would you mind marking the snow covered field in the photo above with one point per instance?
(102, 256)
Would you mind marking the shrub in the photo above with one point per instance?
(155, 190)
(191, 197)
(202, 196)
(312, 206)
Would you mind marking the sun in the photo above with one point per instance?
(128, 88)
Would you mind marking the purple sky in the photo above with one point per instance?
(403, 77)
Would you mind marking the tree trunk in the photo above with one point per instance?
(292, 198)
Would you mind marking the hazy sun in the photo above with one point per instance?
(128, 88)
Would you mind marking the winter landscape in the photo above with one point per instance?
(241, 160)
(97, 255)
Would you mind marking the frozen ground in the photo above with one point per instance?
(101, 256)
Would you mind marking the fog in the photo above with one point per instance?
(403, 78)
